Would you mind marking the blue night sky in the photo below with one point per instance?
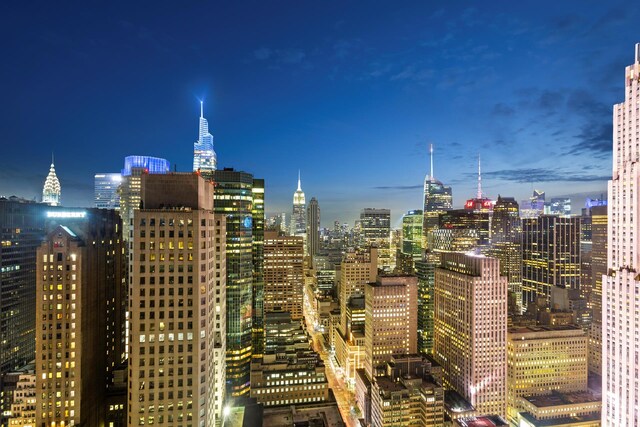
(351, 93)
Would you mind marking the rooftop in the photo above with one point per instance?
(485, 421)
(559, 399)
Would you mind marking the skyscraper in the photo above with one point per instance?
(550, 255)
(560, 206)
(283, 274)
(51, 190)
(313, 227)
(621, 320)
(178, 305)
(299, 213)
(376, 231)
(470, 329)
(81, 333)
(506, 241)
(204, 158)
(480, 203)
(106, 190)
(257, 216)
(391, 319)
(412, 223)
(437, 199)
(129, 192)
(598, 271)
(234, 198)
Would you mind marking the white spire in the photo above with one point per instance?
(51, 190)
(431, 155)
(299, 186)
(201, 109)
(479, 179)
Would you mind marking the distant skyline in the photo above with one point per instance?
(350, 94)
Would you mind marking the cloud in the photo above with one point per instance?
(280, 57)
(501, 109)
(262, 54)
(398, 187)
(595, 139)
(528, 175)
(414, 73)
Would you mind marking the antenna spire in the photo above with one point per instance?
(431, 156)
(299, 186)
(479, 179)
(52, 158)
(201, 109)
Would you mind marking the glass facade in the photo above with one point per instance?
(437, 200)
(412, 234)
(257, 213)
(204, 158)
(150, 164)
(106, 190)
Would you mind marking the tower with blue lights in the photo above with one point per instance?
(204, 158)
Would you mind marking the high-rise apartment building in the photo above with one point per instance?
(204, 157)
(437, 199)
(313, 227)
(470, 328)
(178, 305)
(620, 299)
(106, 190)
(550, 255)
(299, 212)
(506, 245)
(80, 288)
(283, 274)
(376, 230)
(129, 192)
(358, 267)
(391, 319)
(234, 198)
(51, 191)
(544, 360)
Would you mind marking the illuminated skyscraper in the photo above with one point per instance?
(299, 214)
(81, 327)
(283, 274)
(437, 199)
(480, 203)
(506, 241)
(178, 305)
(412, 223)
(376, 230)
(51, 190)
(560, 206)
(257, 215)
(550, 255)
(204, 158)
(313, 227)
(134, 167)
(106, 190)
(470, 329)
(621, 318)
(598, 271)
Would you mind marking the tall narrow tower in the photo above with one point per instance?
(51, 190)
(299, 214)
(621, 321)
(437, 200)
(204, 158)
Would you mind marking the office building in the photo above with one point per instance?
(257, 214)
(23, 405)
(178, 305)
(376, 231)
(437, 199)
(534, 206)
(234, 198)
(407, 395)
(358, 267)
(80, 289)
(313, 227)
(480, 203)
(412, 223)
(289, 372)
(550, 255)
(204, 157)
(542, 360)
(598, 271)
(283, 274)
(621, 319)
(129, 192)
(107, 190)
(425, 272)
(506, 245)
(470, 328)
(461, 228)
(299, 212)
(391, 319)
(51, 193)
(560, 206)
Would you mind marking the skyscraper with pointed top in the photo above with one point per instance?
(299, 214)
(437, 200)
(51, 190)
(204, 158)
(480, 203)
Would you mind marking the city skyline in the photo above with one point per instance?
(532, 86)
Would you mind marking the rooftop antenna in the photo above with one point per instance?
(637, 53)
(299, 187)
(431, 156)
(479, 179)
(201, 109)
